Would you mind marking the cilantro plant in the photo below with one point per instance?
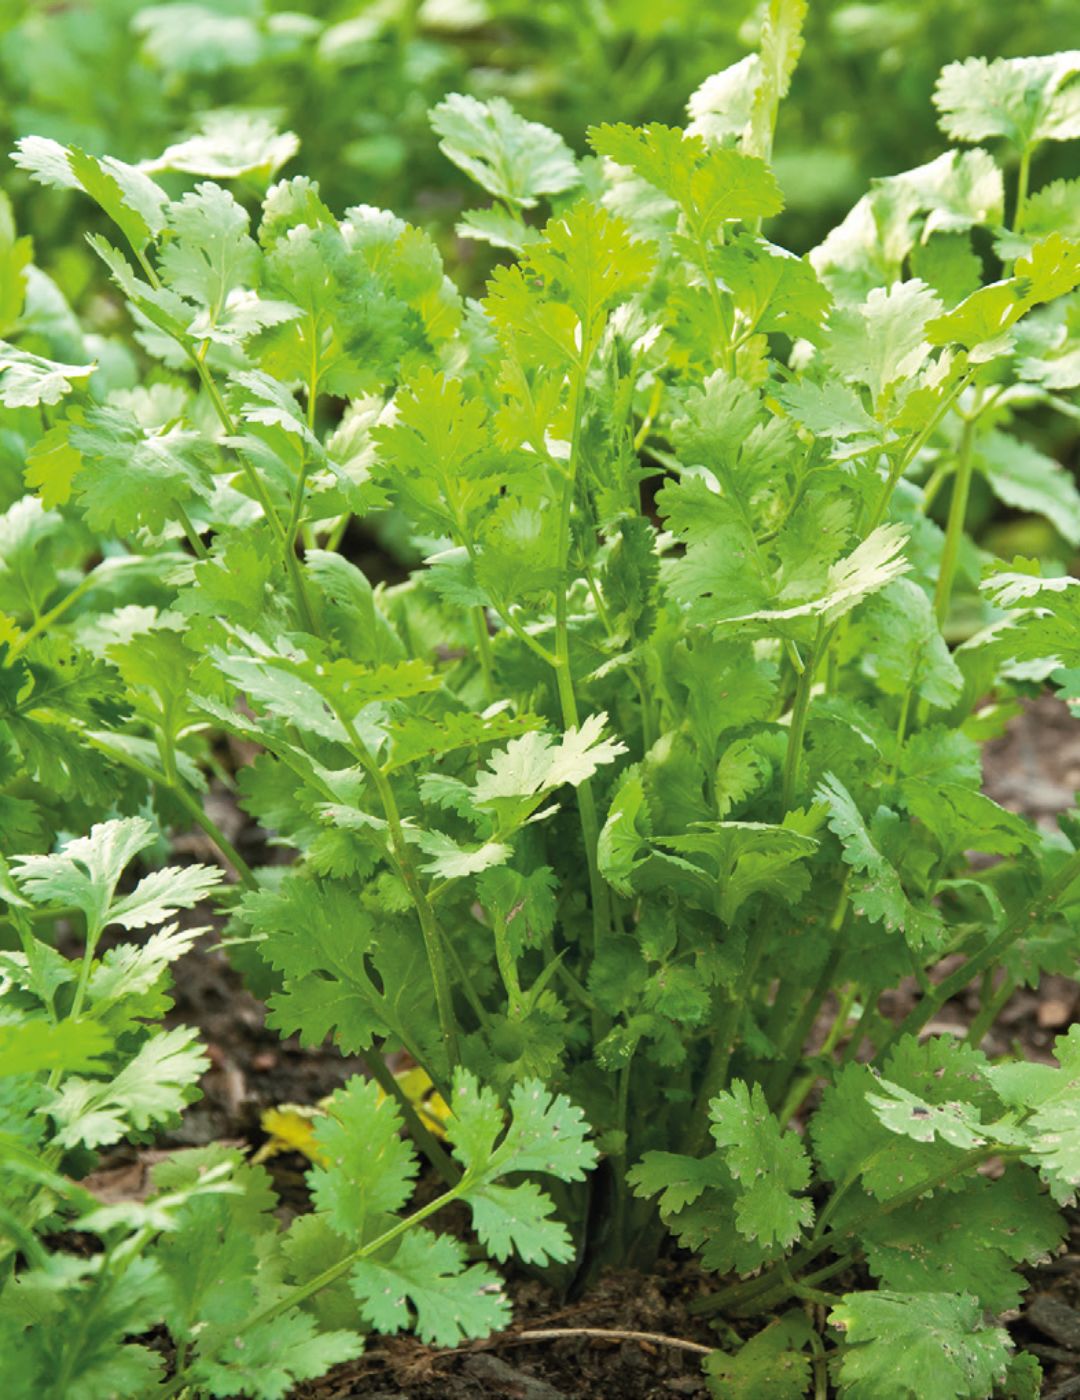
(649, 781)
(250, 1307)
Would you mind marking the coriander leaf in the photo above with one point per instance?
(968, 1239)
(450, 861)
(546, 1133)
(518, 777)
(452, 1303)
(230, 145)
(27, 380)
(1023, 99)
(876, 888)
(128, 196)
(767, 1164)
(901, 647)
(917, 1346)
(773, 1363)
(151, 1088)
(513, 159)
(207, 252)
(883, 341)
(368, 1168)
(269, 1360)
(31, 1046)
(86, 871)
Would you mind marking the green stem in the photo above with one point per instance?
(799, 715)
(1021, 925)
(429, 927)
(46, 620)
(186, 800)
(292, 564)
(590, 826)
(483, 650)
(991, 1004)
(198, 548)
(724, 1039)
(780, 1078)
(504, 957)
(741, 1293)
(1022, 178)
(954, 529)
(861, 1031)
(902, 463)
(429, 1144)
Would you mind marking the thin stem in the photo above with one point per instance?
(803, 1025)
(221, 841)
(1022, 178)
(483, 650)
(186, 800)
(725, 1036)
(741, 1293)
(428, 924)
(93, 933)
(198, 548)
(799, 715)
(590, 826)
(954, 529)
(915, 447)
(439, 1158)
(611, 1334)
(991, 1004)
(45, 621)
(1021, 925)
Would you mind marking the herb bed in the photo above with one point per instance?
(627, 819)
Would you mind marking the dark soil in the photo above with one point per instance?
(1034, 768)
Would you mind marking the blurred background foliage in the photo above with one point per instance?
(355, 81)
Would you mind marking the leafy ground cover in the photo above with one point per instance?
(629, 817)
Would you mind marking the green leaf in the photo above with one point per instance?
(370, 1168)
(901, 647)
(917, 1346)
(713, 185)
(910, 1115)
(877, 892)
(1053, 1129)
(230, 145)
(884, 341)
(151, 1088)
(513, 159)
(768, 1166)
(593, 259)
(451, 1303)
(30, 1046)
(207, 253)
(1028, 480)
(969, 1240)
(626, 829)
(85, 874)
(1025, 100)
(773, 1363)
(130, 477)
(339, 977)
(518, 777)
(129, 197)
(269, 1360)
(546, 1132)
(450, 861)
(27, 380)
